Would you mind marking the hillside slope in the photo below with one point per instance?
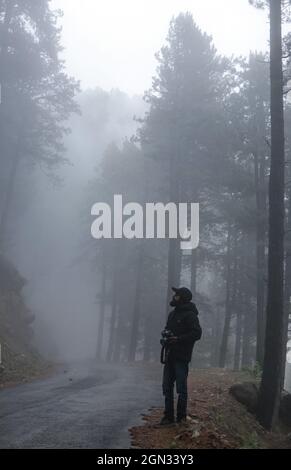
(19, 359)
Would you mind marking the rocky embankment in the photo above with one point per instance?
(20, 361)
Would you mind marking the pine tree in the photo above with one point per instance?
(275, 347)
(183, 108)
(37, 95)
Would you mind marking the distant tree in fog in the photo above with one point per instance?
(184, 120)
(197, 143)
(37, 95)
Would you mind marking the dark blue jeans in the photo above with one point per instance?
(175, 371)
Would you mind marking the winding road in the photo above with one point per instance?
(82, 406)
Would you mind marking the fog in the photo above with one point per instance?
(51, 237)
(180, 127)
(112, 44)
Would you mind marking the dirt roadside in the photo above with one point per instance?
(215, 419)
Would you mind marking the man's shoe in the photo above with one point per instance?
(166, 421)
(182, 419)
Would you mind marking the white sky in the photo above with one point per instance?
(111, 43)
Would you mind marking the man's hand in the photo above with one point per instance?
(173, 339)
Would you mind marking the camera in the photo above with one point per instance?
(166, 335)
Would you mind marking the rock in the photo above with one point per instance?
(285, 409)
(195, 434)
(246, 393)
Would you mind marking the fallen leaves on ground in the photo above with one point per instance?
(215, 419)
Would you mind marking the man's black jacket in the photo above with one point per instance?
(184, 323)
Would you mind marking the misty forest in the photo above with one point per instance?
(81, 318)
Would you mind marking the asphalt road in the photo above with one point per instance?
(83, 406)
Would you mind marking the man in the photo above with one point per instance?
(184, 327)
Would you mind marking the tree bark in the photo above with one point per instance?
(215, 341)
(271, 385)
(238, 334)
(287, 283)
(9, 193)
(117, 338)
(227, 320)
(136, 307)
(147, 338)
(238, 338)
(246, 305)
(102, 309)
(113, 314)
(260, 257)
(194, 259)
(174, 253)
(246, 356)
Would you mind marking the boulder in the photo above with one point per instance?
(285, 409)
(246, 393)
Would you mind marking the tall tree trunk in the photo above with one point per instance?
(234, 304)
(117, 338)
(174, 253)
(238, 332)
(174, 266)
(215, 341)
(287, 285)
(9, 193)
(271, 385)
(260, 257)
(194, 194)
(3, 105)
(238, 335)
(246, 355)
(113, 314)
(227, 320)
(102, 309)
(136, 307)
(194, 259)
(4, 37)
(246, 306)
(147, 339)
